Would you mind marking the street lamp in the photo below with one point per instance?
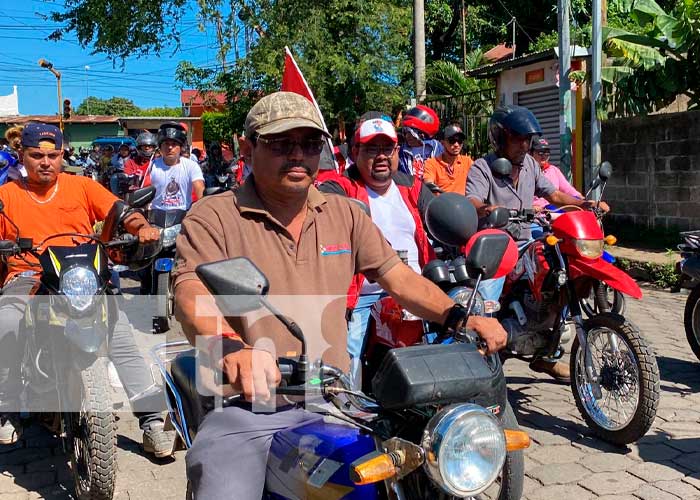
(48, 65)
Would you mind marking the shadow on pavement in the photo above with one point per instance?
(37, 464)
(679, 371)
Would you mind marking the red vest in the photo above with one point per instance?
(410, 194)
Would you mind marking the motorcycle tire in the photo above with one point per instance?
(164, 303)
(613, 373)
(599, 301)
(94, 433)
(691, 320)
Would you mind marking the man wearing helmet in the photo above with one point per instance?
(512, 130)
(418, 127)
(146, 144)
(48, 202)
(174, 177)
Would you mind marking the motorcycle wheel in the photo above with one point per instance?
(629, 380)
(92, 438)
(691, 320)
(603, 298)
(164, 303)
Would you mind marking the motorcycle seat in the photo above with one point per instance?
(194, 406)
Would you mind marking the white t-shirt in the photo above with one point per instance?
(174, 184)
(394, 220)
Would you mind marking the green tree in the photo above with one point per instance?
(116, 106)
(654, 60)
(161, 111)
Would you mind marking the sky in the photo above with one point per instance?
(148, 81)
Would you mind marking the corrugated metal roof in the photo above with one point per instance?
(490, 70)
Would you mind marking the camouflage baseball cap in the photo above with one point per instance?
(282, 111)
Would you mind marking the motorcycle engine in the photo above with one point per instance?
(535, 335)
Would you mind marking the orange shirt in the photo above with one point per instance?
(436, 171)
(79, 203)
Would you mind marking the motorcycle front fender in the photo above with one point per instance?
(603, 271)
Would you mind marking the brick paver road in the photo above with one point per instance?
(564, 462)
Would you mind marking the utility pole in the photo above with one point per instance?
(513, 46)
(419, 48)
(565, 116)
(87, 89)
(596, 63)
(464, 36)
(48, 65)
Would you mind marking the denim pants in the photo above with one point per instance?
(357, 332)
(132, 369)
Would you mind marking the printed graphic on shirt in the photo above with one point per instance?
(339, 249)
(173, 194)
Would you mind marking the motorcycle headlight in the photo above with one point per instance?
(461, 294)
(591, 249)
(465, 449)
(169, 235)
(80, 286)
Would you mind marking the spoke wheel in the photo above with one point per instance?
(628, 376)
(692, 320)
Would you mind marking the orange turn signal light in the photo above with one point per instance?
(516, 440)
(610, 240)
(551, 240)
(377, 468)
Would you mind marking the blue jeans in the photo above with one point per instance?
(357, 332)
(536, 230)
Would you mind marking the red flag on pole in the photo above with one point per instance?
(293, 81)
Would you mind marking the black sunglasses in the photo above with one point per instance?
(455, 139)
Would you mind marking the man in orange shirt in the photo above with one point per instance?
(43, 204)
(449, 170)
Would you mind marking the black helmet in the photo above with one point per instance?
(517, 119)
(451, 219)
(172, 131)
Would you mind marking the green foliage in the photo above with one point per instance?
(161, 111)
(661, 275)
(121, 106)
(218, 127)
(116, 106)
(121, 29)
(654, 56)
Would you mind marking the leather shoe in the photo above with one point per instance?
(558, 370)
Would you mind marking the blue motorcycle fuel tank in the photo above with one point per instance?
(313, 461)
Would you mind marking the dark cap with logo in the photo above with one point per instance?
(452, 131)
(34, 133)
(540, 144)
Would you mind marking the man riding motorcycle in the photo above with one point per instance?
(512, 130)
(45, 204)
(418, 127)
(146, 144)
(306, 243)
(396, 202)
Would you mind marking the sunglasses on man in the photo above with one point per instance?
(284, 146)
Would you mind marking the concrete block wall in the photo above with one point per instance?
(656, 169)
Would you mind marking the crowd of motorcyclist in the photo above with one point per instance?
(395, 169)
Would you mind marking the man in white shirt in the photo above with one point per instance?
(396, 201)
(174, 177)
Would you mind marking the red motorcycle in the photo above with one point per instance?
(614, 375)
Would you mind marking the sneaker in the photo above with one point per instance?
(157, 440)
(10, 429)
(556, 369)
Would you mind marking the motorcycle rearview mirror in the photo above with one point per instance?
(236, 284)
(141, 197)
(502, 166)
(490, 253)
(451, 219)
(605, 171)
(499, 217)
(433, 188)
(238, 287)
(213, 190)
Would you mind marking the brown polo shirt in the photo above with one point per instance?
(308, 281)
